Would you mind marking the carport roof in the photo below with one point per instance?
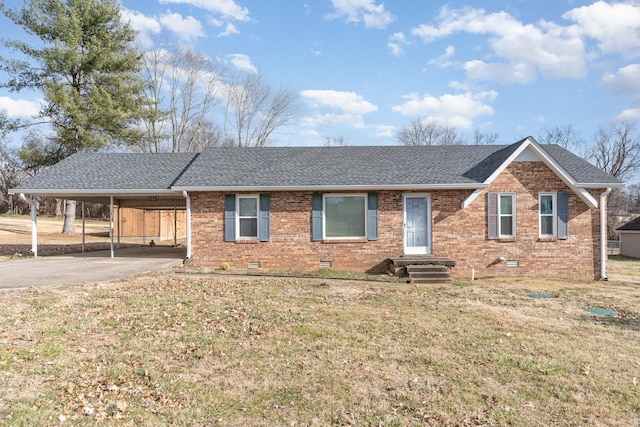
(92, 176)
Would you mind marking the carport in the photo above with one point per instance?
(136, 180)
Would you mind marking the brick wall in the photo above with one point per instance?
(461, 234)
(457, 233)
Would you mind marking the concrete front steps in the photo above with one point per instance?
(429, 274)
(425, 269)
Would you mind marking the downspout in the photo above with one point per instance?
(188, 223)
(603, 234)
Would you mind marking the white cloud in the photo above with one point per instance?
(616, 26)
(458, 110)
(350, 107)
(521, 72)
(141, 22)
(443, 60)
(630, 114)
(367, 11)
(396, 43)
(625, 81)
(226, 8)
(229, 30)
(524, 51)
(187, 29)
(144, 25)
(19, 108)
(349, 102)
(242, 62)
(384, 131)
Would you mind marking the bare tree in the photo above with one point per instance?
(484, 138)
(11, 174)
(155, 119)
(184, 89)
(255, 110)
(427, 132)
(334, 141)
(565, 136)
(616, 150)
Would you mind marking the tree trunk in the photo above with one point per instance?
(58, 208)
(69, 226)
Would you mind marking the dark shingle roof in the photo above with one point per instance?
(309, 166)
(107, 171)
(460, 166)
(370, 166)
(633, 225)
(580, 169)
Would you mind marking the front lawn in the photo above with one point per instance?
(225, 350)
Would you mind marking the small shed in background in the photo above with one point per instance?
(630, 238)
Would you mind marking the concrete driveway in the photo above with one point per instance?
(89, 267)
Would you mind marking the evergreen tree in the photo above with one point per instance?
(86, 67)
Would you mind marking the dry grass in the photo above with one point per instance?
(221, 350)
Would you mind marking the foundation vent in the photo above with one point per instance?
(325, 264)
(254, 265)
(513, 263)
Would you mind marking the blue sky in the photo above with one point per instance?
(364, 68)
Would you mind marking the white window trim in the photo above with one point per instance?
(324, 216)
(257, 217)
(554, 213)
(513, 216)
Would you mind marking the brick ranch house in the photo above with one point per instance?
(520, 209)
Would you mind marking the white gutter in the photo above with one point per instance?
(395, 187)
(603, 234)
(96, 192)
(188, 225)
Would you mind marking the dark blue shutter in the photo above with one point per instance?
(230, 217)
(264, 217)
(492, 211)
(563, 214)
(316, 216)
(372, 216)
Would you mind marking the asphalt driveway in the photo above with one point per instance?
(89, 267)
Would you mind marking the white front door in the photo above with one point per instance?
(417, 224)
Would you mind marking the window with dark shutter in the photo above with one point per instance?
(230, 217)
(493, 218)
(316, 216)
(372, 216)
(264, 217)
(563, 215)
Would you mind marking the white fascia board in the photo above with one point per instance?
(85, 192)
(466, 202)
(465, 186)
(582, 193)
(600, 185)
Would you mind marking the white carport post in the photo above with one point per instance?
(119, 225)
(188, 224)
(34, 226)
(175, 226)
(111, 222)
(83, 225)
